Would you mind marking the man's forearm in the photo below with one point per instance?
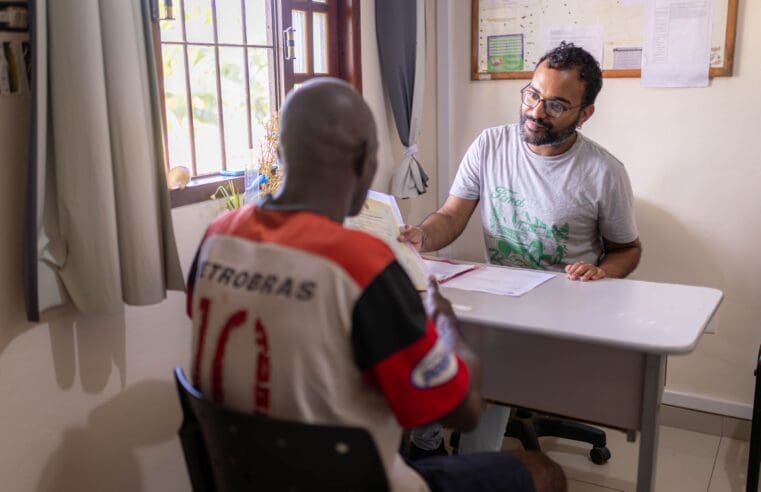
(621, 262)
(439, 230)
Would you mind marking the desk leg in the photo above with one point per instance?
(651, 400)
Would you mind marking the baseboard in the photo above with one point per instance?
(706, 415)
(700, 403)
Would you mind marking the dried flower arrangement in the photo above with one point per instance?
(269, 169)
(268, 162)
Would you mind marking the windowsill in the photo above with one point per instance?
(201, 189)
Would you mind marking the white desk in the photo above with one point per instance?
(592, 351)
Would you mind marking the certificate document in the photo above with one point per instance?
(380, 217)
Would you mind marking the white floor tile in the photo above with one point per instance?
(731, 469)
(685, 461)
(577, 486)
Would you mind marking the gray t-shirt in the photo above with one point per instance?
(545, 212)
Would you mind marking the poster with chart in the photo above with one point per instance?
(509, 36)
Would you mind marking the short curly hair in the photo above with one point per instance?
(567, 56)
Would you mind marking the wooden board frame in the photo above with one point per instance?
(723, 71)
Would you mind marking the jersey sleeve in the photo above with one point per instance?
(467, 181)
(398, 349)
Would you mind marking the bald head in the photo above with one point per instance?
(325, 123)
(328, 144)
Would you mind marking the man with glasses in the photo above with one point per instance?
(551, 199)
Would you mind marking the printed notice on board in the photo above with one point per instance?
(677, 44)
(504, 53)
(587, 37)
(626, 58)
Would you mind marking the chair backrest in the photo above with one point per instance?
(227, 451)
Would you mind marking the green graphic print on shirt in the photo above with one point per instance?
(522, 242)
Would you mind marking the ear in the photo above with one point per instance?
(586, 113)
(360, 161)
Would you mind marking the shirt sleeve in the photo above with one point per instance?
(467, 182)
(616, 220)
(399, 350)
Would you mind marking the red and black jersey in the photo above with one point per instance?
(296, 317)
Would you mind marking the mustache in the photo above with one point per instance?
(540, 122)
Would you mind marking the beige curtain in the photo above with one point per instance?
(104, 228)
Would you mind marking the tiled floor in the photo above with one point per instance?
(687, 461)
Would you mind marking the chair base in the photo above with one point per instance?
(528, 428)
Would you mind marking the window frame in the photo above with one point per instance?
(344, 19)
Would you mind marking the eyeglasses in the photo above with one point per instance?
(552, 107)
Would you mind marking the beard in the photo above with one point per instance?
(550, 136)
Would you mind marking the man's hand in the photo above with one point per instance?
(584, 271)
(465, 416)
(435, 304)
(413, 235)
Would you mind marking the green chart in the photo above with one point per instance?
(505, 53)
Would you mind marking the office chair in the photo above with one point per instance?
(754, 451)
(228, 451)
(528, 427)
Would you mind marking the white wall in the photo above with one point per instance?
(88, 403)
(692, 155)
(391, 151)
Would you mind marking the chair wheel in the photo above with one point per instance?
(599, 456)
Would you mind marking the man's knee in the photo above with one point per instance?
(548, 476)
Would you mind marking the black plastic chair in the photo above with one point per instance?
(754, 452)
(228, 451)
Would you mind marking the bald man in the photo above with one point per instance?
(332, 324)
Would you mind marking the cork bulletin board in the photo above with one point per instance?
(509, 36)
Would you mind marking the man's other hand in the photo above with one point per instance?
(413, 235)
(584, 271)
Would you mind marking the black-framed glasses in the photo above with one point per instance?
(554, 108)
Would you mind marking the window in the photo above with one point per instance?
(226, 65)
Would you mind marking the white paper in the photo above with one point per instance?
(677, 46)
(380, 217)
(587, 37)
(500, 281)
(627, 58)
(445, 270)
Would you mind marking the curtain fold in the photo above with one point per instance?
(400, 28)
(103, 229)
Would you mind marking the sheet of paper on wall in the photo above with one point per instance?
(677, 44)
(500, 280)
(380, 217)
(588, 37)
